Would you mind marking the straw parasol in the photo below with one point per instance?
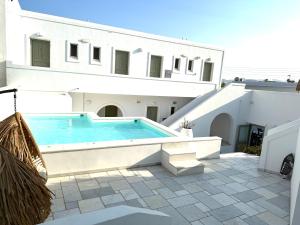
(24, 197)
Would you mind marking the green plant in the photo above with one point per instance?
(186, 124)
(254, 150)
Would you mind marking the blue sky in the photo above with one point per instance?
(239, 26)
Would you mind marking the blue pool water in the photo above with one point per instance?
(80, 129)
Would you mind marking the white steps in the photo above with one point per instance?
(181, 162)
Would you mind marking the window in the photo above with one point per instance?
(190, 65)
(155, 66)
(207, 71)
(40, 53)
(96, 53)
(152, 112)
(177, 64)
(173, 108)
(74, 50)
(122, 62)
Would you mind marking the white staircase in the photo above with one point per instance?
(181, 162)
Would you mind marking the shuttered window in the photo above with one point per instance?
(121, 62)
(40, 53)
(155, 66)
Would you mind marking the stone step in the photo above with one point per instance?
(178, 154)
(183, 167)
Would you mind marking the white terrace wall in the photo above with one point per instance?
(295, 187)
(271, 109)
(130, 105)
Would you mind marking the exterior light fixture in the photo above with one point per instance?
(197, 57)
(85, 41)
(37, 35)
(208, 59)
(183, 56)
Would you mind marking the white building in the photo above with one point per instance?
(64, 65)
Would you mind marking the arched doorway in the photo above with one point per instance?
(221, 127)
(110, 111)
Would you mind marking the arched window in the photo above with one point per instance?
(110, 111)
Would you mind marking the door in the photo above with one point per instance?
(207, 72)
(243, 137)
(40, 53)
(155, 66)
(152, 113)
(121, 62)
(111, 111)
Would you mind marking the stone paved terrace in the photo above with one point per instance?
(231, 191)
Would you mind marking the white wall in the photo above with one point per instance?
(271, 109)
(37, 78)
(59, 31)
(130, 105)
(295, 182)
(35, 102)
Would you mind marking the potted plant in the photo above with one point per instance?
(186, 128)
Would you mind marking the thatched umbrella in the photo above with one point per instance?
(24, 197)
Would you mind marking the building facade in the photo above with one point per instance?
(63, 65)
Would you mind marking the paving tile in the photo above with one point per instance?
(191, 213)
(281, 202)
(276, 188)
(89, 205)
(104, 191)
(182, 201)
(71, 193)
(226, 213)
(247, 196)
(253, 220)
(255, 206)
(166, 193)
(210, 221)
(153, 184)
(227, 190)
(272, 208)
(172, 185)
(246, 209)
(134, 179)
(176, 217)
(181, 192)
(88, 184)
(272, 219)
(72, 205)
(210, 188)
(65, 213)
(119, 185)
(92, 193)
(110, 199)
(207, 200)
(265, 192)
(237, 187)
(192, 187)
(142, 189)
(156, 201)
(196, 223)
(223, 199)
(202, 207)
(235, 221)
(134, 203)
(57, 205)
(129, 194)
(215, 182)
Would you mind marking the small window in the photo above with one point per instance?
(207, 71)
(173, 108)
(74, 50)
(177, 64)
(96, 53)
(190, 65)
(155, 66)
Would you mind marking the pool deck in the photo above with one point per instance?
(231, 191)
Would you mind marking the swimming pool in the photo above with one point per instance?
(80, 128)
